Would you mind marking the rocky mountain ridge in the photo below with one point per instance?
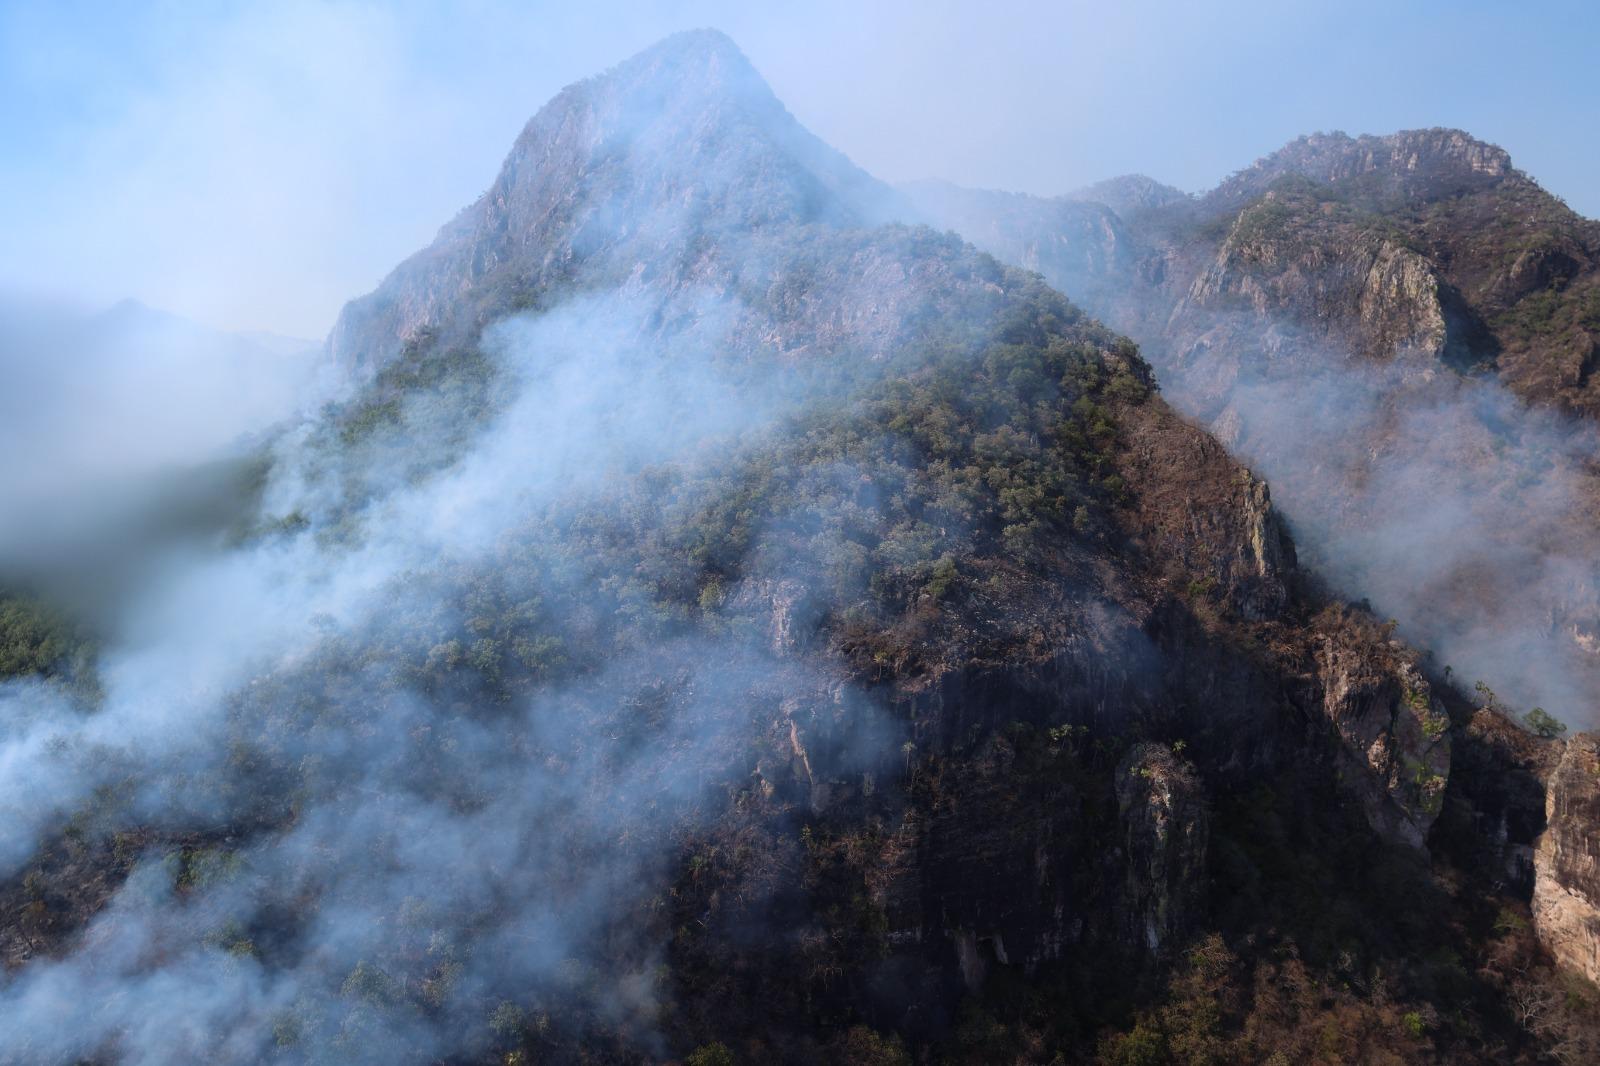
(1431, 164)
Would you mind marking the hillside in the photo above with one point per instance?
(726, 626)
(1393, 331)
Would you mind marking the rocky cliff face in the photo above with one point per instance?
(1566, 894)
(1420, 164)
(1348, 294)
(1166, 830)
(1395, 737)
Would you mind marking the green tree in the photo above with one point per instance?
(1544, 724)
(713, 1054)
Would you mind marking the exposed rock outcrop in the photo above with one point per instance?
(1411, 163)
(1395, 736)
(1281, 301)
(1166, 828)
(1566, 893)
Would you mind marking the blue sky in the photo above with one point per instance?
(255, 165)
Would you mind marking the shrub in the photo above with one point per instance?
(1544, 724)
(713, 1054)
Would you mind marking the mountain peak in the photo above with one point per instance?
(1129, 193)
(683, 139)
(1417, 149)
(692, 63)
(705, 42)
(129, 309)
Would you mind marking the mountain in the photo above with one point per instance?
(722, 625)
(1505, 272)
(1407, 167)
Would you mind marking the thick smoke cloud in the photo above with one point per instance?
(350, 837)
(1445, 501)
(507, 848)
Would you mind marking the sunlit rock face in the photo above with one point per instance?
(1566, 895)
(1166, 819)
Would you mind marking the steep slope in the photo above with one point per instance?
(1341, 312)
(1567, 890)
(723, 628)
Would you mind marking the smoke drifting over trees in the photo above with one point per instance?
(691, 604)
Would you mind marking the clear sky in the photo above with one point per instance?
(255, 165)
